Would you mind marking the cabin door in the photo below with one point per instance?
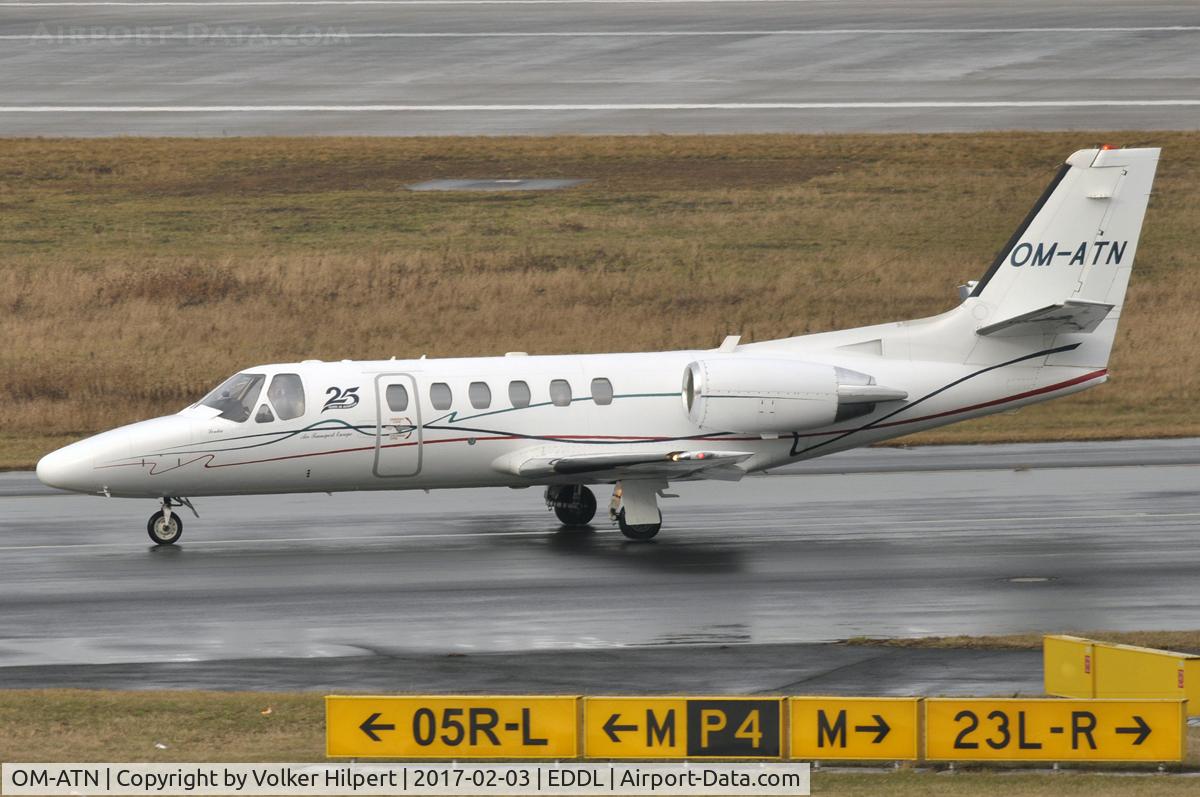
(397, 426)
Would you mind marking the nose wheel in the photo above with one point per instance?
(165, 530)
(164, 526)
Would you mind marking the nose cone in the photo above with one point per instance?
(121, 461)
(68, 468)
(73, 467)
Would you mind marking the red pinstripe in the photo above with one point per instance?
(1017, 397)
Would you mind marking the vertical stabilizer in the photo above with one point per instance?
(1076, 249)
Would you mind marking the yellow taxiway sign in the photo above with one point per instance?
(854, 728)
(994, 729)
(451, 727)
(683, 727)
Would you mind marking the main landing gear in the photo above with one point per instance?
(574, 504)
(639, 532)
(164, 526)
(634, 506)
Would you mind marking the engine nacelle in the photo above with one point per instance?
(768, 396)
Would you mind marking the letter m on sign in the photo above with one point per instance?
(657, 733)
(835, 734)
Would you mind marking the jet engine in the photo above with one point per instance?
(766, 396)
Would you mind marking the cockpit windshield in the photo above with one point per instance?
(236, 396)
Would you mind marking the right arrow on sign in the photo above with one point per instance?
(612, 728)
(1141, 729)
(880, 729)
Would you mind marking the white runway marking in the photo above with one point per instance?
(811, 526)
(697, 106)
(448, 536)
(232, 32)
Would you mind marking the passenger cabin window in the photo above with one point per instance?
(560, 392)
(287, 395)
(480, 395)
(440, 396)
(264, 414)
(236, 396)
(397, 398)
(518, 393)
(602, 392)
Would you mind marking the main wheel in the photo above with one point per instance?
(164, 532)
(574, 505)
(641, 533)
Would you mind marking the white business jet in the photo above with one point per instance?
(1038, 325)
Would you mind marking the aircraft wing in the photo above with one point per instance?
(634, 465)
(1072, 315)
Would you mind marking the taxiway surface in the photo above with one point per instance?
(464, 589)
(406, 67)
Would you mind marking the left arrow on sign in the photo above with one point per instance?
(612, 728)
(1141, 729)
(369, 727)
(880, 729)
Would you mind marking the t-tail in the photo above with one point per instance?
(1063, 274)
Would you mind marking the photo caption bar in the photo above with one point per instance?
(767, 779)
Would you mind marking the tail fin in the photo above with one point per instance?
(1066, 268)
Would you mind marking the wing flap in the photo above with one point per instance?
(1072, 315)
(630, 464)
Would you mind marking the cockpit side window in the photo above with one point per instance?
(287, 394)
(235, 397)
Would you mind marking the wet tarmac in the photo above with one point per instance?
(742, 590)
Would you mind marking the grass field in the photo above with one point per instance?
(135, 274)
(76, 725)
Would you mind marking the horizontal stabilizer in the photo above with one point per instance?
(673, 465)
(1072, 315)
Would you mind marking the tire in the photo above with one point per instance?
(639, 533)
(575, 506)
(165, 533)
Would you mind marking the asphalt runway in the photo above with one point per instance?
(405, 67)
(743, 590)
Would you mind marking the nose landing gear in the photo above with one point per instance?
(165, 527)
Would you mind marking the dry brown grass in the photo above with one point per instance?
(78, 725)
(102, 726)
(134, 274)
(1008, 784)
